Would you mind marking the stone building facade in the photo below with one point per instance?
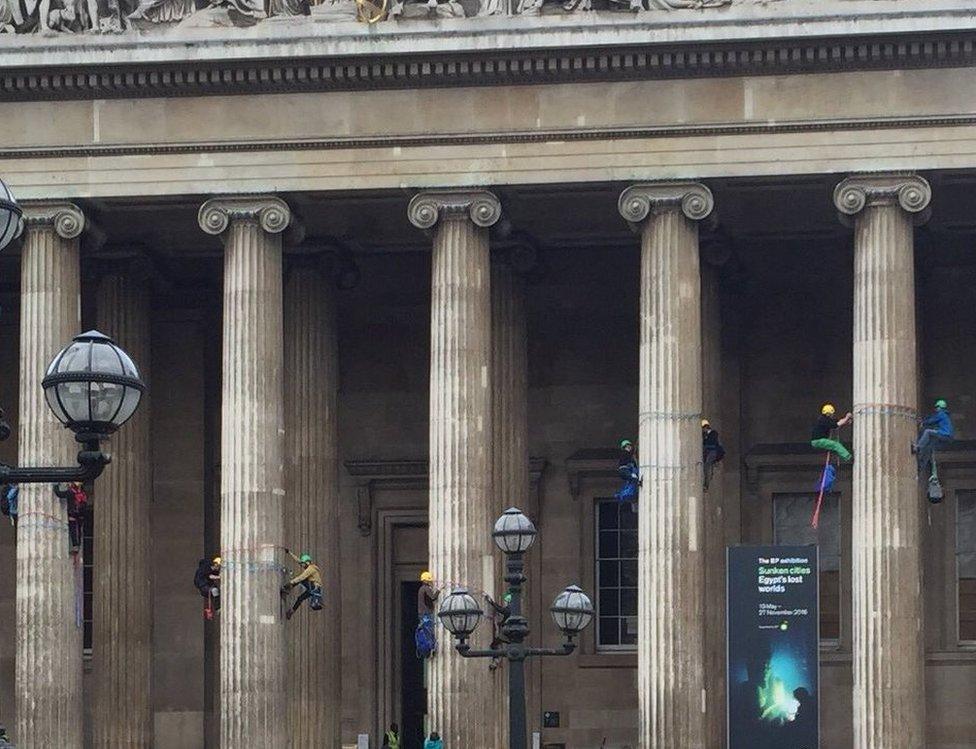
(386, 277)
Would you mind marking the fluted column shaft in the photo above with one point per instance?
(122, 645)
(252, 647)
(715, 520)
(671, 636)
(48, 661)
(312, 503)
(509, 432)
(460, 702)
(889, 678)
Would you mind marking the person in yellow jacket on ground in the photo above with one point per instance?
(310, 578)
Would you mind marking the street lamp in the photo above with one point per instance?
(11, 216)
(92, 387)
(460, 613)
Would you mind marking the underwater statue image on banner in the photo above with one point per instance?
(773, 647)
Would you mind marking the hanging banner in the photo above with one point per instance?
(773, 636)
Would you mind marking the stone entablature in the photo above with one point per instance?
(202, 54)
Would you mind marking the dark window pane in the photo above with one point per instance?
(628, 630)
(628, 518)
(609, 602)
(628, 544)
(609, 547)
(830, 605)
(607, 518)
(609, 574)
(609, 631)
(628, 574)
(628, 601)
(791, 525)
(966, 563)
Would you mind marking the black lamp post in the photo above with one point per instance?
(572, 611)
(91, 386)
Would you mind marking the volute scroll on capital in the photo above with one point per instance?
(67, 219)
(911, 192)
(482, 207)
(638, 202)
(271, 212)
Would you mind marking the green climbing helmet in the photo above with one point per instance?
(941, 404)
(305, 559)
(625, 444)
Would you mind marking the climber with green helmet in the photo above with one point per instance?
(821, 437)
(629, 472)
(310, 578)
(937, 431)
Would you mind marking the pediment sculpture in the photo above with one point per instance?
(108, 16)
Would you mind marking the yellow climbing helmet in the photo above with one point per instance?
(426, 577)
(828, 409)
(705, 423)
(217, 561)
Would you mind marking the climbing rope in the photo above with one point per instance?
(815, 520)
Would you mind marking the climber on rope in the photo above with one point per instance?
(937, 432)
(499, 614)
(712, 451)
(821, 437)
(629, 472)
(424, 638)
(310, 578)
(76, 497)
(207, 581)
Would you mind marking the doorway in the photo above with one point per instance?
(413, 694)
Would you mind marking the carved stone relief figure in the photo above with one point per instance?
(537, 7)
(405, 9)
(678, 4)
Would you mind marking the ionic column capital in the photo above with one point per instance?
(66, 219)
(638, 202)
(908, 191)
(271, 212)
(427, 208)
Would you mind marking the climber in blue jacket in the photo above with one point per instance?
(937, 431)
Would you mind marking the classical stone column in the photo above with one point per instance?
(48, 661)
(509, 432)
(715, 521)
(889, 658)
(312, 502)
(252, 644)
(460, 703)
(122, 646)
(671, 522)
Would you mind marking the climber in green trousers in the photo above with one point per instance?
(826, 424)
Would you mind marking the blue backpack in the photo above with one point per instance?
(827, 479)
(425, 639)
(8, 501)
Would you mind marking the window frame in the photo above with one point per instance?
(600, 647)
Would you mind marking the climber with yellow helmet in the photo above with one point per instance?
(424, 637)
(821, 437)
(310, 578)
(207, 581)
(712, 451)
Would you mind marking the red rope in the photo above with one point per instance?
(815, 520)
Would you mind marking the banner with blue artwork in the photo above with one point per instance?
(773, 636)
